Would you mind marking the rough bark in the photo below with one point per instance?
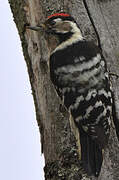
(98, 20)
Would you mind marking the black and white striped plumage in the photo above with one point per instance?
(78, 72)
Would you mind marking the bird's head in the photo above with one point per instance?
(60, 24)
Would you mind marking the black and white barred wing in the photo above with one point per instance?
(85, 89)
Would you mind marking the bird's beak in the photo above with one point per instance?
(41, 27)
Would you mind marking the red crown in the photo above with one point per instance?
(58, 14)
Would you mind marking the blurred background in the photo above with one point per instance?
(20, 153)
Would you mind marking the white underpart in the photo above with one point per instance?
(74, 38)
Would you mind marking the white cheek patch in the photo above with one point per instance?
(77, 36)
(62, 27)
(57, 20)
(63, 32)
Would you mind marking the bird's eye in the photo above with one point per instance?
(52, 23)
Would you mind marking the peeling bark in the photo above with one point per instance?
(98, 20)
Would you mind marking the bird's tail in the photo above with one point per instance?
(91, 154)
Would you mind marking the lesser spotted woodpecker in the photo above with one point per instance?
(79, 74)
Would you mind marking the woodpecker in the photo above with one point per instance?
(79, 74)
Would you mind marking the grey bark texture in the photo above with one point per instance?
(98, 20)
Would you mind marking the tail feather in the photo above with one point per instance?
(91, 154)
(98, 159)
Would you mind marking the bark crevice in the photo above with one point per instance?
(93, 24)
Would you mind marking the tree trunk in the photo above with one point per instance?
(98, 20)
